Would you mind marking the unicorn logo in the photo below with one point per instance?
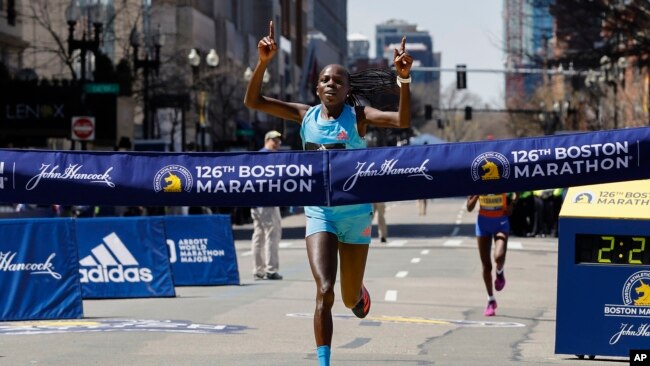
(643, 300)
(173, 183)
(173, 178)
(490, 166)
(491, 169)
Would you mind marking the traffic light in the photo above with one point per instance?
(468, 113)
(428, 111)
(461, 76)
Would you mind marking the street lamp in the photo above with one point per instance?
(148, 63)
(212, 61)
(85, 44)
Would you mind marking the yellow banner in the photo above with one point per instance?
(621, 200)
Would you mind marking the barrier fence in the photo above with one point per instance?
(47, 266)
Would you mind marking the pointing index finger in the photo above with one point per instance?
(271, 31)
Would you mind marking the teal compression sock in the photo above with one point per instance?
(323, 353)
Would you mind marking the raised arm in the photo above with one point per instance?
(254, 99)
(402, 118)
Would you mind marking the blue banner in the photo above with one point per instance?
(202, 250)
(323, 177)
(123, 257)
(39, 271)
(449, 170)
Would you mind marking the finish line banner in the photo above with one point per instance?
(336, 177)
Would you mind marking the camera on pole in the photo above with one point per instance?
(461, 76)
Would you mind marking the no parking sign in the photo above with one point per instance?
(83, 128)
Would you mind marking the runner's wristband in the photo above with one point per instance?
(401, 80)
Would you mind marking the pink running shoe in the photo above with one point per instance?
(362, 308)
(491, 308)
(500, 281)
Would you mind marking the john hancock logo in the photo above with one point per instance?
(490, 166)
(173, 178)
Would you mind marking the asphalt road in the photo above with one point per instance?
(428, 301)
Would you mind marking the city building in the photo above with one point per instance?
(528, 36)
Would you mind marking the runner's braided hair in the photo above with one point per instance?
(367, 84)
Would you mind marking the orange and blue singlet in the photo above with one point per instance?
(492, 215)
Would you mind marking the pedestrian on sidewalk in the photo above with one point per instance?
(267, 228)
(337, 236)
(492, 224)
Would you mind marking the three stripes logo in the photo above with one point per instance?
(111, 261)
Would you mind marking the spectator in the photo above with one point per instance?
(267, 228)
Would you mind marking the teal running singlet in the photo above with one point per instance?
(342, 130)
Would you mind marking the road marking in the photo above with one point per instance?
(401, 274)
(397, 243)
(285, 244)
(391, 295)
(247, 253)
(417, 320)
(356, 343)
(452, 243)
(116, 325)
(515, 245)
(425, 252)
(415, 260)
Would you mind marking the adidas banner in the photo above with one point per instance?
(123, 257)
(39, 276)
(323, 177)
(201, 250)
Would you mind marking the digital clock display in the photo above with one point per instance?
(612, 249)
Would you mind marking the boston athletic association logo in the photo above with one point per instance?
(490, 166)
(584, 197)
(173, 178)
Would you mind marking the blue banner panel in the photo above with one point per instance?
(202, 250)
(334, 177)
(162, 179)
(448, 170)
(123, 257)
(39, 270)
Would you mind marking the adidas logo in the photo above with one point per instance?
(111, 261)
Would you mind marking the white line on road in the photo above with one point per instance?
(397, 243)
(391, 295)
(401, 274)
(285, 244)
(415, 260)
(515, 245)
(425, 252)
(452, 243)
(246, 254)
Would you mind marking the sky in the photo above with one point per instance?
(465, 32)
